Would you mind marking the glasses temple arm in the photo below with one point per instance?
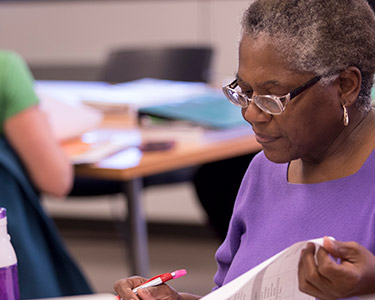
(308, 84)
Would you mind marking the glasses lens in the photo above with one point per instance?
(234, 97)
(269, 104)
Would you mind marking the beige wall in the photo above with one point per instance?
(83, 32)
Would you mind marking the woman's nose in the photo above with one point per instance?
(253, 114)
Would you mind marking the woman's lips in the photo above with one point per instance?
(265, 139)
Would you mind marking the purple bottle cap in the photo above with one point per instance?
(3, 212)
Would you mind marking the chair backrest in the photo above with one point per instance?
(171, 63)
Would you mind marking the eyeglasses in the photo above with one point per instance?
(271, 104)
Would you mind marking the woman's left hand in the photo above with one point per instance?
(327, 279)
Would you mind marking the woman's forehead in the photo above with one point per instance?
(259, 56)
(259, 50)
(261, 65)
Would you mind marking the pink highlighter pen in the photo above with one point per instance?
(160, 279)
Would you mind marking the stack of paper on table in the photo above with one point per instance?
(191, 133)
(101, 145)
(133, 94)
(211, 117)
(206, 117)
(68, 118)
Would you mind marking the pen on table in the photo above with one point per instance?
(160, 279)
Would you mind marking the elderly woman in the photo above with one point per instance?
(305, 73)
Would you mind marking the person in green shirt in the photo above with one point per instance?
(33, 163)
(27, 130)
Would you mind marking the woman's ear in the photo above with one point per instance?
(349, 85)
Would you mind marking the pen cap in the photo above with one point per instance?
(8, 263)
(179, 273)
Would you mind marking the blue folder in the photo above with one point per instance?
(211, 110)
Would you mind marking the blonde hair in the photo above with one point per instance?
(319, 36)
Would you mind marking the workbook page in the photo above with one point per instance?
(275, 278)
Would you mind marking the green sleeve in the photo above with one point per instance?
(16, 86)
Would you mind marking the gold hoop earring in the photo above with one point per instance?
(346, 116)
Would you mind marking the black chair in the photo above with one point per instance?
(171, 63)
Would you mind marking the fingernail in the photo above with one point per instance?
(332, 242)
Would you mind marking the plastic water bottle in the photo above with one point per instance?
(9, 289)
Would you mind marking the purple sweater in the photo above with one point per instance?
(271, 214)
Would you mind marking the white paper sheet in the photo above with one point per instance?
(68, 118)
(134, 94)
(113, 148)
(275, 278)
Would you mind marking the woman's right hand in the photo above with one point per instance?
(325, 279)
(124, 288)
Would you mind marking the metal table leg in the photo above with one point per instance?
(138, 240)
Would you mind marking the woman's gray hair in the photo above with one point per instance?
(319, 36)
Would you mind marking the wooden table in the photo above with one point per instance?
(183, 154)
